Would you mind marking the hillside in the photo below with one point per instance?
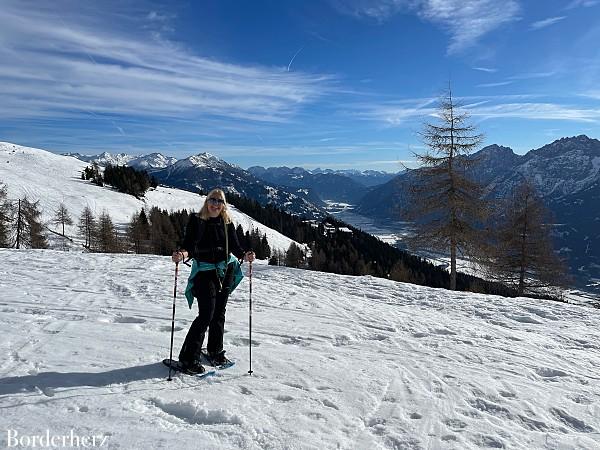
(53, 179)
(339, 362)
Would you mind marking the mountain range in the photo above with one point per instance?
(52, 179)
(329, 186)
(295, 190)
(565, 172)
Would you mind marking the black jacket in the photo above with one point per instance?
(205, 239)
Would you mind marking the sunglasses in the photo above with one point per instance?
(216, 201)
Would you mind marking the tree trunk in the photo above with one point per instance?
(452, 265)
(19, 225)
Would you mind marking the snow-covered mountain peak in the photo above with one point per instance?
(119, 159)
(496, 149)
(152, 161)
(582, 145)
(204, 159)
(53, 179)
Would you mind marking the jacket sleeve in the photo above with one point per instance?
(234, 243)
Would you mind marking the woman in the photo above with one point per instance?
(210, 237)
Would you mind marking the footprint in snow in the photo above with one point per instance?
(243, 342)
(125, 319)
(329, 404)
(444, 332)
(245, 391)
(524, 319)
(297, 386)
(506, 394)
(194, 414)
(294, 340)
(546, 372)
(455, 424)
(580, 399)
(570, 421)
(167, 328)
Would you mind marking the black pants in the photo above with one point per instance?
(212, 302)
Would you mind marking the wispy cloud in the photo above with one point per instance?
(532, 75)
(500, 83)
(582, 3)
(538, 111)
(466, 21)
(411, 113)
(59, 61)
(485, 69)
(518, 77)
(546, 22)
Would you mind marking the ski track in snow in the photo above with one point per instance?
(340, 362)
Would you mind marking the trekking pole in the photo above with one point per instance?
(173, 320)
(250, 320)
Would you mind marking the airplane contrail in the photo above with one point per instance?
(294, 57)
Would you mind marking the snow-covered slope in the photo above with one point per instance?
(52, 179)
(339, 362)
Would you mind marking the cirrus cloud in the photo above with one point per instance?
(467, 21)
(59, 61)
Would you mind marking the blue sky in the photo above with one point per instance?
(314, 83)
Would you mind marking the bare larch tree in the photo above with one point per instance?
(445, 203)
(522, 254)
(62, 217)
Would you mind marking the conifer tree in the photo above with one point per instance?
(62, 217)
(138, 232)
(6, 213)
(294, 257)
(239, 231)
(265, 248)
(163, 236)
(446, 204)
(107, 240)
(29, 228)
(522, 252)
(318, 259)
(87, 227)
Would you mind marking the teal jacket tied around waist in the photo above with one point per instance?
(221, 267)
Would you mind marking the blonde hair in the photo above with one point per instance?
(215, 193)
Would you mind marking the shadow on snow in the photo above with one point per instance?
(48, 381)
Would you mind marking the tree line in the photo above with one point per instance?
(157, 232)
(354, 253)
(124, 179)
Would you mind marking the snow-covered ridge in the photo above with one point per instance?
(52, 179)
(152, 161)
(339, 361)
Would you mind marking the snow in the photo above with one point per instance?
(339, 361)
(52, 179)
